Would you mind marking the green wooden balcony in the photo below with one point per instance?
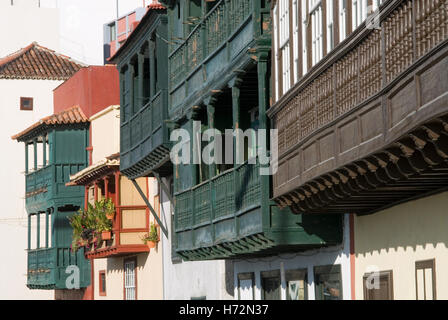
(47, 268)
(226, 217)
(145, 141)
(47, 185)
(217, 45)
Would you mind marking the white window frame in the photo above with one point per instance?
(284, 44)
(342, 20)
(330, 25)
(359, 12)
(316, 17)
(276, 77)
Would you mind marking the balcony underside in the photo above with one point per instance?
(247, 247)
(157, 161)
(414, 166)
(47, 268)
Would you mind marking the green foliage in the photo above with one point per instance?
(88, 224)
(152, 236)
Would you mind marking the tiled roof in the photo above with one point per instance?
(72, 115)
(95, 171)
(38, 63)
(156, 5)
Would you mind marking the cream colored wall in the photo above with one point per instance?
(105, 133)
(13, 216)
(394, 239)
(149, 276)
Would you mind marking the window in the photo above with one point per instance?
(296, 24)
(130, 279)
(315, 10)
(384, 291)
(330, 26)
(270, 285)
(102, 283)
(342, 19)
(26, 104)
(328, 282)
(246, 284)
(284, 44)
(359, 12)
(425, 280)
(305, 22)
(296, 285)
(113, 32)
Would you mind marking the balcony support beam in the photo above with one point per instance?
(263, 102)
(38, 231)
(148, 204)
(210, 102)
(140, 100)
(164, 187)
(47, 227)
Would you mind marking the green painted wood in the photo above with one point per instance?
(144, 145)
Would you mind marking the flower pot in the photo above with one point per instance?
(151, 244)
(106, 235)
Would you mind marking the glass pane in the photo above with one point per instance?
(270, 282)
(328, 282)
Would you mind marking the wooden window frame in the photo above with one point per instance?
(101, 283)
(290, 275)
(267, 275)
(30, 100)
(246, 276)
(325, 268)
(390, 277)
(422, 265)
(134, 259)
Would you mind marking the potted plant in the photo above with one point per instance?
(92, 225)
(152, 237)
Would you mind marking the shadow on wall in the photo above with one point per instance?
(229, 277)
(418, 224)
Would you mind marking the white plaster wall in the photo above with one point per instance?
(13, 221)
(301, 260)
(186, 280)
(24, 23)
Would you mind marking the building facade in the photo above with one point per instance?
(27, 96)
(359, 102)
(123, 266)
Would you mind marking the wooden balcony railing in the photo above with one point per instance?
(219, 198)
(212, 32)
(360, 68)
(47, 268)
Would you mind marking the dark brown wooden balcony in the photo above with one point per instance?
(367, 127)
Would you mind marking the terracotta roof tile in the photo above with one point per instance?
(37, 62)
(72, 115)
